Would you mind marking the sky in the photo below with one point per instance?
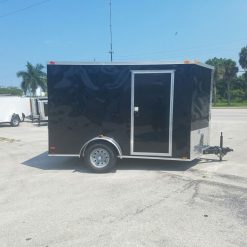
(143, 30)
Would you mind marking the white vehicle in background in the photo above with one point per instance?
(14, 109)
(39, 109)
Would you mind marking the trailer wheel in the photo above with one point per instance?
(100, 157)
(15, 121)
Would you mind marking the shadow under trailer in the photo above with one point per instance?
(104, 111)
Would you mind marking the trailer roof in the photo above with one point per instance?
(131, 63)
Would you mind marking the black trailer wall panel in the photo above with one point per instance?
(86, 101)
(201, 97)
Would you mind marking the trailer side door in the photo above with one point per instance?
(151, 112)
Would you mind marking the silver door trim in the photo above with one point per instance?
(133, 72)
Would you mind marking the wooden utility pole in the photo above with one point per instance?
(111, 49)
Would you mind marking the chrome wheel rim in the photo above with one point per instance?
(99, 157)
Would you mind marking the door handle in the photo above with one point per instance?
(136, 109)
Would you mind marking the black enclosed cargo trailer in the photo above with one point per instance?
(101, 111)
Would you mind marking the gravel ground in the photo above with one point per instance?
(55, 201)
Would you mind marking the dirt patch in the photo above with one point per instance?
(10, 140)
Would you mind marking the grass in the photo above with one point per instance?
(233, 104)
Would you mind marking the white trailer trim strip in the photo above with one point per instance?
(130, 63)
(65, 155)
(126, 156)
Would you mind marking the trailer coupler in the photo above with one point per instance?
(220, 151)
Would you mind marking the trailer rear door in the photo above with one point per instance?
(151, 112)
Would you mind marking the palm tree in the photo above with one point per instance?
(33, 78)
(243, 58)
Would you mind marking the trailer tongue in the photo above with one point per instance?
(220, 151)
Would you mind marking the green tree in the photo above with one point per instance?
(11, 91)
(230, 74)
(33, 78)
(243, 58)
(224, 75)
(239, 89)
(219, 71)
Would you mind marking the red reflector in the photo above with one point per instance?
(52, 150)
(52, 62)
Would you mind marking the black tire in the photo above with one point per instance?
(15, 121)
(100, 157)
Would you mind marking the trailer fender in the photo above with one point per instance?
(104, 139)
(14, 115)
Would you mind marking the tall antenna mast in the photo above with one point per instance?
(111, 51)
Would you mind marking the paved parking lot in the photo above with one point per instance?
(55, 201)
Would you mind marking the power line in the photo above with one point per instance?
(23, 9)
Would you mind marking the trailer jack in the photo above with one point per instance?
(220, 151)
